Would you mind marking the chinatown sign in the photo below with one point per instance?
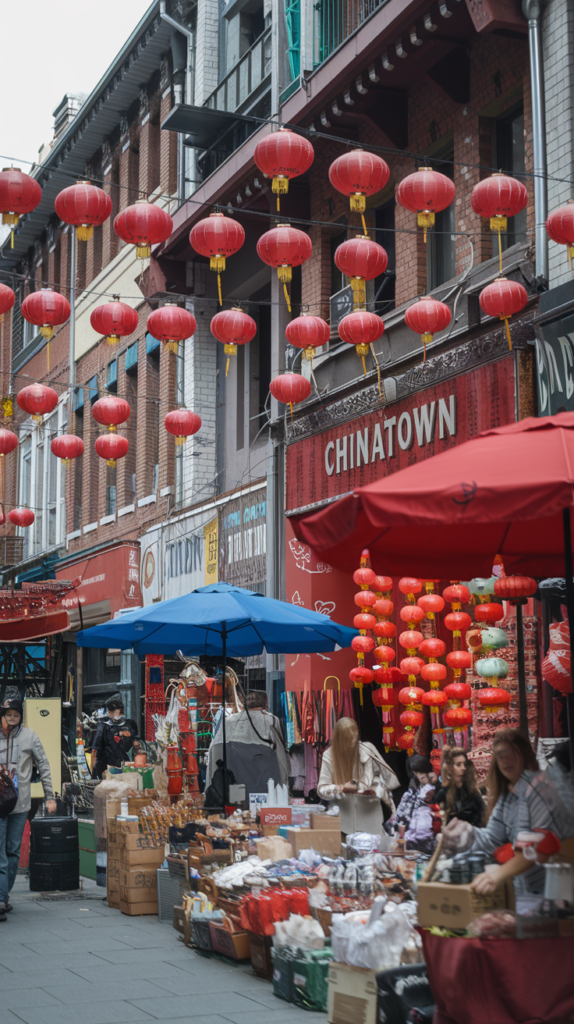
(352, 454)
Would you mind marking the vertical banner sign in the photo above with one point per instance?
(555, 367)
(211, 545)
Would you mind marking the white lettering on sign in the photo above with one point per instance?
(377, 443)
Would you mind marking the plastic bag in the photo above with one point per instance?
(298, 931)
(375, 941)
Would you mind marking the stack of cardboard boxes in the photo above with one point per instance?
(133, 860)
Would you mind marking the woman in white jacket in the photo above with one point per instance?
(357, 778)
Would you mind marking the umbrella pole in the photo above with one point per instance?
(223, 736)
(521, 671)
(570, 607)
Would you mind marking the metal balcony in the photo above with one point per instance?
(246, 82)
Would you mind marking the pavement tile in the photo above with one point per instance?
(37, 977)
(215, 1001)
(7, 1017)
(92, 944)
(116, 1012)
(102, 990)
(156, 972)
(285, 1014)
(16, 999)
(126, 956)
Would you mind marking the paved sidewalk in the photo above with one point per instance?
(80, 962)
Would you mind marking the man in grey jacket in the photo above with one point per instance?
(20, 749)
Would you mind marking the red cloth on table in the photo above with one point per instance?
(501, 981)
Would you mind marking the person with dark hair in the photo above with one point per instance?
(459, 795)
(421, 770)
(114, 738)
(20, 750)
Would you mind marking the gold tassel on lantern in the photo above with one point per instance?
(359, 289)
(426, 339)
(142, 253)
(425, 219)
(280, 187)
(362, 351)
(85, 232)
(217, 264)
(285, 274)
(230, 350)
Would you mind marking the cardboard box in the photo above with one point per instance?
(454, 906)
(325, 822)
(113, 886)
(270, 830)
(138, 909)
(128, 895)
(142, 858)
(113, 808)
(113, 869)
(275, 816)
(325, 841)
(135, 803)
(114, 900)
(140, 841)
(179, 919)
(138, 878)
(352, 995)
(128, 827)
(232, 944)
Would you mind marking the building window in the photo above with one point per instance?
(384, 293)
(111, 490)
(43, 484)
(508, 146)
(441, 243)
(113, 660)
(338, 279)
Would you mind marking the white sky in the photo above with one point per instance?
(53, 47)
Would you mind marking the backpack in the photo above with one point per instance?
(8, 790)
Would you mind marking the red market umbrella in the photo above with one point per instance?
(509, 491)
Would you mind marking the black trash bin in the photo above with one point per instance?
(401, 991)
(54, 852)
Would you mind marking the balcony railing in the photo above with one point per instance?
(336, 20)
(246, 79)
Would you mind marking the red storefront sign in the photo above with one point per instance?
(355, 453)
(110, 580)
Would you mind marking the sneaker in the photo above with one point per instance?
(3, 912)
(9, 907)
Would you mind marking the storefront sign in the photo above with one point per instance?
(341, 458)
(177, 557)
(211, 547)
(110, 581)
(243, 540)
(555, 367)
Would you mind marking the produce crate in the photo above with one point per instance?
(235, 945)
(201, 935)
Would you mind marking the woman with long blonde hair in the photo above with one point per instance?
(356, 778)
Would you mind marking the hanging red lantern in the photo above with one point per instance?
(284, 247)
(497, 198)
(384, 654)
(362, 260)
(489, 612)
(19, 194)
(405, 742)
(171, 324)
(409, 586)
(384, 607)
(456, 594)
(410, 639)
(111, 447)
(432, 648)
(308, 333)
(217, 237)
(66, 447)
(290, 388)
(458, 718)
(37, 400)
(411, 694)
(111, 411)
(411, 718)
(114, 320)
(427, 317)
(459, 660)
(516, 589)
(503, 298)
(358, 174)
(363, 644)
(45, 309)
(431, 604)
(21, 516)
(361, 329)
(365, 599)
(283, 155)
(7, 300)
(426, 192)
(84, 206)
(384, 630)
(363, 577)
(456, 622)
(385, 697)
(364, 621)
(387, 677)
(233, 327)
(412, 614)
(458, 691)
(560, 227)
(361, 676)
(383, 584)
(143, 225)
(8, 441)
(435, 700)
(493, 698)
(434, 672)
(182, 423)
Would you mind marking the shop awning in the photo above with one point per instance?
(110, 582)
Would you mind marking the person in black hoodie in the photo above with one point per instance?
(460, 796)
(114, 738)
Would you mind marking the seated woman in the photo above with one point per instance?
(459, 796)
(357, 778)
(422, 775)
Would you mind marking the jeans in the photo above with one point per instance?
(11, 832)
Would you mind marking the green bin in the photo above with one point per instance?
(310, 979)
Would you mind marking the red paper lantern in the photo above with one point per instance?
(431, 604)
(19, 194)
(560, 227)
(409, 585)
(284, 247)
(217, 237)
(497, 198)
(67, 447)
(432, 648)
(425, 193)
(411, 613)
(488, 612)
(458, 718)
(365, 599)
(458, 691)
(364, 621)
(308, 333)
(383, 583)
(84, 206)
(411, 719)
(171, 324)
(492, 698)
(21, 516)
(358, 174)
(459, 660)
(427, 317)
(111, 411)
(182, 423)
(8, 441)
(361, 675)
(37, 400)
(362, 260)
(410, 639)
(388, 676)
(233, 327)
(283, 155)
(384, 697)
(405, 742)
(434, 672)
(45, 309)
(411, 694)
(363, 644)
(114, 320)
(291, 388)
(111, 447)
(456, 622)
(384, 607)
(384, 630)
(361, 329)
(7, 300)
(556, 667)
(516, 589)
(363, 576)
(503, 298)
(434, 699)
(384, 654)
(143, 224)
(456, 594)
